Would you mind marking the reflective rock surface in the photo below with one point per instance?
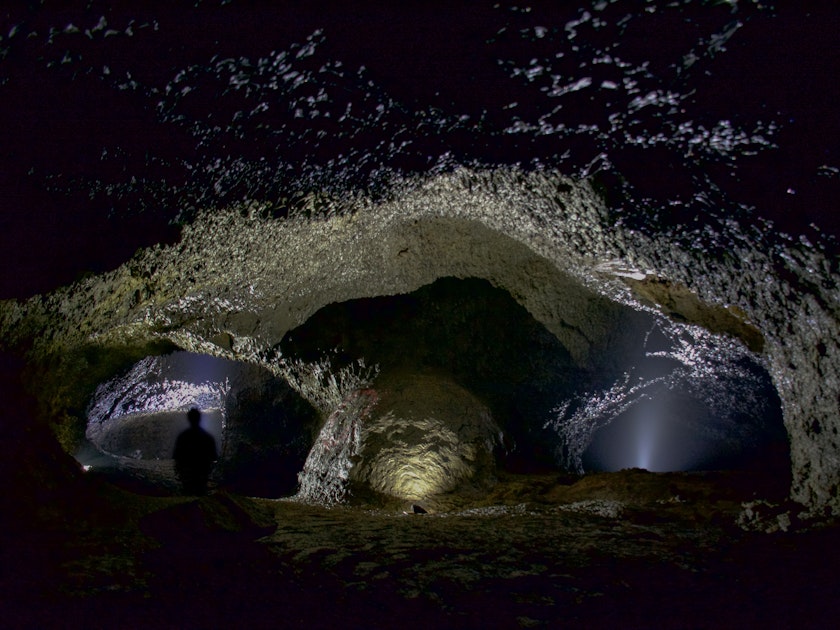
(653, 184)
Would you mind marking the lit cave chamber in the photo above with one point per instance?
(485, 347)
(261, 427)
(575, 346)
(467, 382)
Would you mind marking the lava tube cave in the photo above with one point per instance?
(422, 401)
(441, 315)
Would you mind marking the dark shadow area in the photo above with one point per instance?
(195, 454)
(271, 430)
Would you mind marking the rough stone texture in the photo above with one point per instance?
(263, 430)
(678, 302)
(238, 280)
(326, 471)
(426, 436)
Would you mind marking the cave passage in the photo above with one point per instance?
(468, 385)
(482, 339)
(152, 435)
(468, 330)
(673, 432)
(262, 428)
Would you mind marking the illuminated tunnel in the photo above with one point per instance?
(262, 428)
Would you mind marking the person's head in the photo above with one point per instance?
(194, 416)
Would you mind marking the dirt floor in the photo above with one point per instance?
(629, 549)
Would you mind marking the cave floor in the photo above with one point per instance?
(630, 549)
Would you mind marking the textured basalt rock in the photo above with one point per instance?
(262, 429)
(239, 280)
(426, 436)
(679, 303)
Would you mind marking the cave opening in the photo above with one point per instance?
(464, 330)
(470, 386)
(476, 336)
(673, 432)
(261, 427)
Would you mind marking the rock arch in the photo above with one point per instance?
(239, 279)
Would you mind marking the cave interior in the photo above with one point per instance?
(460, 331)
(465, 380)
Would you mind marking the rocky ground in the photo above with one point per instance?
(632, 549)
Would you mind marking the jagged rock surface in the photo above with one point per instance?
(239, 279)
(426, 436)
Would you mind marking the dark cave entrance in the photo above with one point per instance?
(467, 329)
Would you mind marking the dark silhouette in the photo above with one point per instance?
(195, 452)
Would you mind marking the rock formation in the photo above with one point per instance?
(426, 436)
(240, 279)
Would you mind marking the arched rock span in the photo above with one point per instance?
(239, 279)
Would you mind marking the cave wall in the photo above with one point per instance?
(239, 279)
(426, 436)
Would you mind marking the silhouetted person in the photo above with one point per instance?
(195, 452)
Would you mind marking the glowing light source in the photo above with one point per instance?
(421, 474)
(416, 458)
(655, 434)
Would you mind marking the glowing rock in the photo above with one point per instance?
(427, 436)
